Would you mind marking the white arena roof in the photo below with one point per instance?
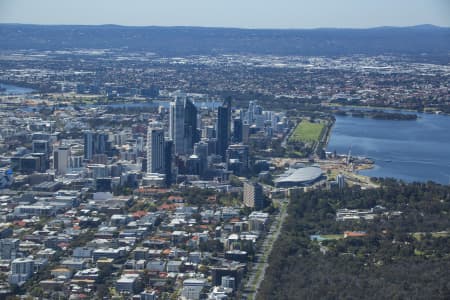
(299, 176)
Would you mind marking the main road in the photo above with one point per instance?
(259, 267)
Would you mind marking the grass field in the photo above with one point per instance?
(307, 132)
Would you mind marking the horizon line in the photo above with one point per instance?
(423, 25)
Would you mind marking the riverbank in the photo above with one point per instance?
(410, 151)
(377, 114)
(427, 110)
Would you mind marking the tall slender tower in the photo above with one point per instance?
(88, 144)
(168, 162)
(155, 149)
(183, 125)
(237, 130)
(192, 135)
(176, 126)
(251, 112)
(223, 127)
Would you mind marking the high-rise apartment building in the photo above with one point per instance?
(21, 270)
(95, 143)
(254, 195)
(155, 149)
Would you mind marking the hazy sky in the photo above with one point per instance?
(229, 13)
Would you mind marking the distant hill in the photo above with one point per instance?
(180, 41)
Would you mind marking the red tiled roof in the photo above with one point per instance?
(166, 206)
(140, 213)
(355, 233)
(20, 223)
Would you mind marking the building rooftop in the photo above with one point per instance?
(301, 175)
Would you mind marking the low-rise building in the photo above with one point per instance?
(128, 283)
(192, 288)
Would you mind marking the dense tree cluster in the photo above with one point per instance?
(402, 257)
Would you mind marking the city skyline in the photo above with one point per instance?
(224, 150)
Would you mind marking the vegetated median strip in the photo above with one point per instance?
(259, 276)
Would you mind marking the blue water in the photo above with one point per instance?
(409, 150)
(14, 90)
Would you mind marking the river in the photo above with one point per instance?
(409, 150)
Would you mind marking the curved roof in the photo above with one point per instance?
(300, 175)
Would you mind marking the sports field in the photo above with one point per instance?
(307, 132)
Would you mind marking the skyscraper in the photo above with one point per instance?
(95, 143)
(254, 195)
(250, 112)
(168, 161)
(176, 130)
(61, 160)
(237, 159)
(183, 125)
(223, 127)
(237, 130)
(245, 132)
(88, 144)
(155, 149)
(191, 134)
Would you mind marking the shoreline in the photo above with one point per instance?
(389, 108)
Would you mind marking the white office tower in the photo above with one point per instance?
(176, 129)
(61, 160)
(155, 149)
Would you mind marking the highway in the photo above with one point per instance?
(258, 269)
